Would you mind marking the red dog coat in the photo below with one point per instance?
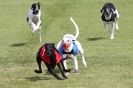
(46, 58)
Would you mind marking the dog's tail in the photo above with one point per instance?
(76, 27)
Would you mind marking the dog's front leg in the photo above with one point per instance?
(116, 24)
(64, 63)
(40, 35)
(38, 26)
(83, 59)
(116, 20)
(38, 60)
(32, 25)
(64, 66)
(75, 63)
(51, 70)
(105, 25)
(61, 69)
(113, 30)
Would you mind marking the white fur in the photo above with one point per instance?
(71, 37)
(35, 22)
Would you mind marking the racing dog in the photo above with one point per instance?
(34, 18)
(51, 57)
(70, 47)
(110, 18)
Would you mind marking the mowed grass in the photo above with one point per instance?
(109, 62)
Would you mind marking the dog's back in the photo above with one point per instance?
(109, 5)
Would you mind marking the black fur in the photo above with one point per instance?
(35, 7)
(108, 9)
(49, 50)
(27, 19)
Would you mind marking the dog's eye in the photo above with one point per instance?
(62, 40)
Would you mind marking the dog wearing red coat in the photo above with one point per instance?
(51, 57)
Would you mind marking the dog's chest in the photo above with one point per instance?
(35, 19)
(73, 50)
(48, 59)
(112, 18)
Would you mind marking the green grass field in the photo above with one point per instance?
(109, 62)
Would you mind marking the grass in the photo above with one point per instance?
(109, 62)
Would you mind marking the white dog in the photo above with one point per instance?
(34, 18)
(70, 47)
(110, 18)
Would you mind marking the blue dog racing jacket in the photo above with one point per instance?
(74, 50)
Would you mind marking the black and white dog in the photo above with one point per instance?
(69, 46)
(51, 57)
(34, 18)
(110, 18)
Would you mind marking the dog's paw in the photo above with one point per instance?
(60, 78)
(37, 71)
(67, 70)
(66, 74)
(66, 77)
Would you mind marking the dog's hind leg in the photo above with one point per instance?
(64, 66)
(38, 60)
(116, 20)
(75, 63)
(64, 63)
(116, 24)
(61, 69)
(83, 60)
(105, 25)
(113, 30)
(40, 35)
(33, 26)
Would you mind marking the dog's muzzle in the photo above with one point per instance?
(66, 46)
(36, 12)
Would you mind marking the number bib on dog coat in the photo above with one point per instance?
(46, 58)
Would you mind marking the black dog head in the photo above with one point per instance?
(108, 12)
(49, 49)
(35, 7)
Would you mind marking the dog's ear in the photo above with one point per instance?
(32, 6)
(45, 44)
(38, 3)
(113, 11)
(102, 10)
(27, 19)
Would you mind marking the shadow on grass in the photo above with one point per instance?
(18, 44)
(36, 78)
(95, 39)
(22, 44)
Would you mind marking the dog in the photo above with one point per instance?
(51, 57)
(34, 18)
(110, 16)
(70, 47)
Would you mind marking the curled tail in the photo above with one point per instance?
(76, 27)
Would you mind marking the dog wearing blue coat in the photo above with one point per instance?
(69, 46)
